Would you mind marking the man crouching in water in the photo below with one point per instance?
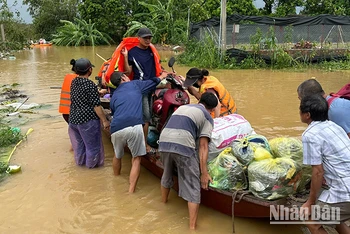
(126, 125)
(188, 130)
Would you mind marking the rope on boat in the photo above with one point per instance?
(235, 200)
(296, 199)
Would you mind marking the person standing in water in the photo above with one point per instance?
(183, 144)
(85, 116)
(126, 126)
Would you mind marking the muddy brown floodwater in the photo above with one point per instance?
(53, 195)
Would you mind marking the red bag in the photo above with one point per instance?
(344, 92)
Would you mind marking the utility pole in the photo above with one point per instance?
(2, 32)
(223, 26)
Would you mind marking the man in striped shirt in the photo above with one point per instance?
(326, 147)
(183, 143)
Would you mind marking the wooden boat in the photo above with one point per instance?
(239, 203)
(40, 45)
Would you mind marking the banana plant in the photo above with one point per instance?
(79, 33)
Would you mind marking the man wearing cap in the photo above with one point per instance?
(144, 62)
(84, 117)
(126, 126)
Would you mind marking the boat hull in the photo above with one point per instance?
(40, 45)
(248, 206)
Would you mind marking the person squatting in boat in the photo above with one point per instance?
(196, 78)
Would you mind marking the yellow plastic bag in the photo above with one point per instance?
(273, 178)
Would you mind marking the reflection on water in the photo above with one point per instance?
(52, 195)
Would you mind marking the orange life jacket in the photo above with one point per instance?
(116, 62)
(65, 94)
(228, 105)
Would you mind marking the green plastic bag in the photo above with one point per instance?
(226, 172)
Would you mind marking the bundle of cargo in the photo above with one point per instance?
(226, 172)
(244, 149)
(226, 130)
(292, 148)
(273, 178)
(282, 173)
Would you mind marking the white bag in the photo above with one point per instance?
(226, 130)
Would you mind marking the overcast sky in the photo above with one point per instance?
(28, 19)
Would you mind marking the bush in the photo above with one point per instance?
(9, 136)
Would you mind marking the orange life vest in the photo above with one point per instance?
(65, 94)
(116, 62)
(228, 105)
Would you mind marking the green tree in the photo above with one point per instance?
(160, 19)
(287, 7)
(48, 13)
(267, 9)
(109, 16)
(333, 7)
(17, 33)
(213, 8)
(79, 33)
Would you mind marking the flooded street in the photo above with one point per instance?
(53, 195)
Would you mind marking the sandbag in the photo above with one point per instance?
(226, 172)
(273, 178)
(244, 149)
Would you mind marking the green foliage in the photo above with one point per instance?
(200, 10)
(79, 33)
(109, 16)
(287, 7)
(333, 7)
(204, 53)
(159, 19)
(48, 13)
(334, 65)
(252, 62)
(288, 36)
(8, 136)
(16, 32)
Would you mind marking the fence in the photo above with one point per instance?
(323, 31)
(323, 36)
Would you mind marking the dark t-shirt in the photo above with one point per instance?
(84, 97)
(142, 62)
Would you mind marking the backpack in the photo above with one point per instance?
(344, 92)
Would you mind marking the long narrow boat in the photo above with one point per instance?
(245, 204)
(40, 45)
